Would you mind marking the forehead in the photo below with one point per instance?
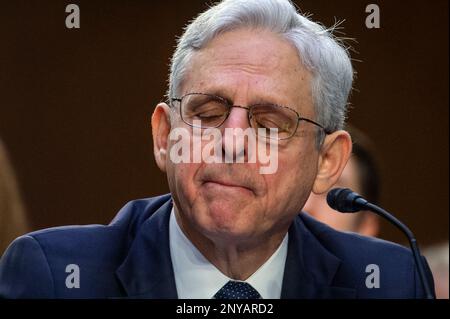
(251, 64)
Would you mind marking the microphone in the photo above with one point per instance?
(345, 200)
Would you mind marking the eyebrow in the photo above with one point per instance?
(225, 94)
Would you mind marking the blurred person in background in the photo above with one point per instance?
(13, 222)
(437, 256)
(361, 174)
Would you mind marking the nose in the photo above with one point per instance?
(234, 141)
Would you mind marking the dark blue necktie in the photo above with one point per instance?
(237, 290)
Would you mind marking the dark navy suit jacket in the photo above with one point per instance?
(130, 258)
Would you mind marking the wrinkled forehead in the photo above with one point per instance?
(256, 63)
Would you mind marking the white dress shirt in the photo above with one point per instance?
(197, 278)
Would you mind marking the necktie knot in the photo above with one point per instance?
(237, 290)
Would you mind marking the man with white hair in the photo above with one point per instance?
(227, 230)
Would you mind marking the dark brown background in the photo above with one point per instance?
(75, 104)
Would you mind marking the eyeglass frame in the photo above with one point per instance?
(248, 108)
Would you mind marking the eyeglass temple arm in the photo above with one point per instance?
(315, 123)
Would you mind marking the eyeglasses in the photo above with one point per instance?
(212, 111)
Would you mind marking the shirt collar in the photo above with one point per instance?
(197, 278)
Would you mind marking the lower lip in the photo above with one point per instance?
(223, 187)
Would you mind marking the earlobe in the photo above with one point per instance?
(160, 132)
(333, 157)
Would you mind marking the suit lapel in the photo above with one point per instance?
(310, 268)
(147, 271)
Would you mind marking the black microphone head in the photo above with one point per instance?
(343, 200)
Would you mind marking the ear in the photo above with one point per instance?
(333, 157)
(160, 131)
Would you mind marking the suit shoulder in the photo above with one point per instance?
(126, 223)
(35, 265)
(24, 271)
(349, 243)
(362, 256)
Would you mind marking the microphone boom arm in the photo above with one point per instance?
(412, 243)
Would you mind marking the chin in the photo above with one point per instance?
(228, 224)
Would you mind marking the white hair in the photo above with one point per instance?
(320, 52)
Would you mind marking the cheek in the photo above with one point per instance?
(181, 179)
(294, 180)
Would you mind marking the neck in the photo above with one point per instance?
(237, 259)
